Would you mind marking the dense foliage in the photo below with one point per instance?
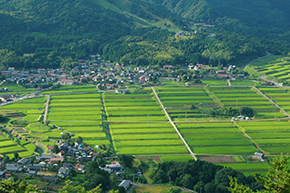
(58, 33)
(196, 175)
(268, 18)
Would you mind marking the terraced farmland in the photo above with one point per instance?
(79, 114)
(216, 138)
(138, 125)
(33, 108)
(179, 102)
(8, 147)
(271, 137)
(273, 66)
(281, 96)
(236, 97)
(72, 89)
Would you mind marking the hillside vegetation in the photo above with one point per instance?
(267, 18)
(57, 33)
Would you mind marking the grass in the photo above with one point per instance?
(139, 143)
(146, 136)
(248, 166)
(177, 158)
(151, 150)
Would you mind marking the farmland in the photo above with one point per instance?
(78, 114)
(236, 97)
(182, 102)
(271, 137)
(274, 67)
(135, 123)
(137, 120)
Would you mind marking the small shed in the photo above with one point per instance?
(125, 183)
(259, 155)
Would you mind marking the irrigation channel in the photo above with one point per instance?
(171, 122)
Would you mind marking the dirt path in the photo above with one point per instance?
(268, 54)
(46, 108)
(247, 136)
(272, 102)
(168, 117)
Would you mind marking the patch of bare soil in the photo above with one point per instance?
(219, 159)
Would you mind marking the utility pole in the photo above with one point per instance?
(148, 120)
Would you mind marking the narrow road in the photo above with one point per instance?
(168, 117)
(46, 108)
(268, 54)
(229, 82)
(272, 102)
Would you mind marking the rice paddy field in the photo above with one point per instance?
(271, 137)
(72, 89)
(273, 66)
(138, 125)
(236, 97)
(78, 114)
(33, 108)
(178, 102)
(281, 96)
(8, 147)
(216, 138)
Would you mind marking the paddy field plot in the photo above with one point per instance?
(281, 96)
(140, 128)
(216, 138)
(236, 97)
(272, 137)
(78, 114)
(33, 108)
(178, 102)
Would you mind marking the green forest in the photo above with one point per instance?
(58, 33)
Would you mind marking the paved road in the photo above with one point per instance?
(46, 109)
(168, 117)
(268, 54)
(272, 102)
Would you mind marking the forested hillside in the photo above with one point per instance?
(57, 33)
(260, 18)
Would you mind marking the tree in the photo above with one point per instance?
(55, 149)
(68, 188)
(277, 179)
(247, 111)
(126, 160)
(11, 186)
(16, 156)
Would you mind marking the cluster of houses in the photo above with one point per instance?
(81, 155)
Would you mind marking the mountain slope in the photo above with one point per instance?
(262, 18)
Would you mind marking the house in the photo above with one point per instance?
(190, 66)
(64, 146)
(63, 172)
(67, 82)
(87, 149)
(36, 167)
(49, 179)
(2, 175)
(23, 161)
(44, 157)
(259, 155)
(79, 167)
(115, 166)
(125, 183)
(32, 173)
(68, 165)
(55, 160)
(166, 67)
(13, 168)
(50, 148)
(240, 76)
(241, 117)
